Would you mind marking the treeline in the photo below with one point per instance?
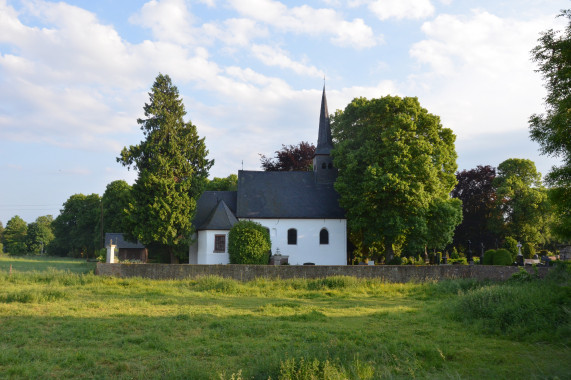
(503, 206)
(79, 230)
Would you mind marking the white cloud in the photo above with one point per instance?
(480, 77)
(308, 20)
(274, 56)
(170, 20)
(401, 9)
(234, 32)
(210, 3)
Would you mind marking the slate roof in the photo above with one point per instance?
(120, 241)
(221, 218)
(215, 210)
(286, 195)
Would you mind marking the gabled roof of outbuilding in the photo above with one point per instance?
(120, 242)
(215, 210)
(286, 195)
(221, 218)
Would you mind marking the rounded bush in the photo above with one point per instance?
(528, 250)
(511, 245)
(502, 257)
(249, 243)
(489, 257)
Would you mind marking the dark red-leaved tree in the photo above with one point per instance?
(478, 197)
(290, 158)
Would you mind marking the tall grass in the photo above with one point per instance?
(524, 308)
(62, 324)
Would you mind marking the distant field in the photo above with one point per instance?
(60, 323)
(42, 263)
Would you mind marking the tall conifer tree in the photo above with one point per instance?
(173, 169)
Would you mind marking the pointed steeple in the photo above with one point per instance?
(323, 167)
(324, 141)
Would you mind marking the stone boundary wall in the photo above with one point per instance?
(389, 273)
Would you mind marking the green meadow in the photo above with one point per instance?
(59, 320)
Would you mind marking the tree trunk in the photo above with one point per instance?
(174, 258)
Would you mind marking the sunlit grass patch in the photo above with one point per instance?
(60, 324)
(43, 263)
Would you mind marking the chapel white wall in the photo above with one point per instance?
(205, 248)
(308, 248)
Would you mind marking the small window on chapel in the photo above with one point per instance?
(330, 166)
(323, 165)
(292, 236)
(219, 243)
(323, 236)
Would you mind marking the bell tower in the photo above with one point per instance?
(323, 167)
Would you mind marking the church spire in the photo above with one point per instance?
(324, 141)
(323, 167)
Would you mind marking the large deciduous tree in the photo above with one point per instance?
(229, 183)
(522, 207)
(478, 195)
(172, 170)
(40, 234)
(290, 158)
(396, 170)
(15, 236)
(76, 227)
(552, 130)
(114, 204)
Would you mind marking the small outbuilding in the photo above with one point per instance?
(126, 250)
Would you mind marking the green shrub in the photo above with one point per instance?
(489, 257)
(397, 260)
(101, 255)
(524, 276)
(249, 243)
(511, 245)
(528, 250)
(454, 253)
(502, 257)
(461, 260)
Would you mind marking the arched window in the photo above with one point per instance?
(323, 236)
(292, 236)
(330, 166)
(323, 165)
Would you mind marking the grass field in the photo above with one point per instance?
(62, 323)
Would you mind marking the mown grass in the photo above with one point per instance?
(60, 324)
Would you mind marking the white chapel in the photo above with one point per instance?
(300, 209)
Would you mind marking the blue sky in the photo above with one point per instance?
(74, 77)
